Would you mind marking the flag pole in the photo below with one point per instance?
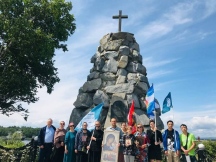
(155, 126)
(90, 142)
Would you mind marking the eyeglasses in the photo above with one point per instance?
(139, 127)
(85, 125)
(71, 126)
(62, 123)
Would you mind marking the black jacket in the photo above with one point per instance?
(41, 135)
(96, 145)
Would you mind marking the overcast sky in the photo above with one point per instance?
(177, 41)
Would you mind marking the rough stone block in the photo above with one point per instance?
(95, 56)
(110, 54)
(141, 69)
(132, 76)
(135, 46)
(121, 79)
(141, 117)
(92, 85)
(120, 95)
(120, 88)
(104, 40)
(122, 72)
(142, 78)
(123, 62)
(110, 66)
(131, 67)
(124, 50)
(108, 76)
(84, 100)
(100, 97)
(143, 86)
(93, 75)
(122, 35)
(134, 97)
(99, 63)
(112, 45)
(108, 83)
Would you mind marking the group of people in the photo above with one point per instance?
(133, 146)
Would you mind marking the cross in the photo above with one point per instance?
(120, 17)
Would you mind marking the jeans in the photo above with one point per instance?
(192, 158)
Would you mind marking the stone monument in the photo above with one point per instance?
(116, 78)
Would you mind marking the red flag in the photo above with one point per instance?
(131, 118)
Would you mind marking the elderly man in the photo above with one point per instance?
(45, 141)
(94, 147)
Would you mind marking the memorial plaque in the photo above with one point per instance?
(119, 111)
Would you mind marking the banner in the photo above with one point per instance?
(91, 118)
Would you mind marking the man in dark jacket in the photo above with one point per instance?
(94, 146)
(81, 142)
(45, 141)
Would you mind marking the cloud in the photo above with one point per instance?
(159, 73)
(178, 15)
(151, 62)
(198, 122)
(210, 8)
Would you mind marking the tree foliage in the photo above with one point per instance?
(27, 132)
(30, 31)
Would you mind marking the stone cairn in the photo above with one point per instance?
(117, 78)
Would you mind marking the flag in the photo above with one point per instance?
(149, 101)
(91, 118)
(157, 106)
(167, 104)
(131, 118)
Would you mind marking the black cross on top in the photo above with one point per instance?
(120, 17)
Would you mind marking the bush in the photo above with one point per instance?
(13, 142)
(210, 147)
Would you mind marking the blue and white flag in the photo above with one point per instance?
(149, 101)
(167, 104)
(157, 106)
(91, 118)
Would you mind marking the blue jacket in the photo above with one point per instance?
(41, 135)
(177, 145)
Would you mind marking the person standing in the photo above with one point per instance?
(142, 142)
(69, 155)
(114, 127)
(94, 147)
(81, 143)
(129, 146)
(124, 128)
(45, 141)
(171, 143)
(154, 150)
(187, 141)
(59, 138)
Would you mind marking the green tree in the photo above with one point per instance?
(30, 32)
